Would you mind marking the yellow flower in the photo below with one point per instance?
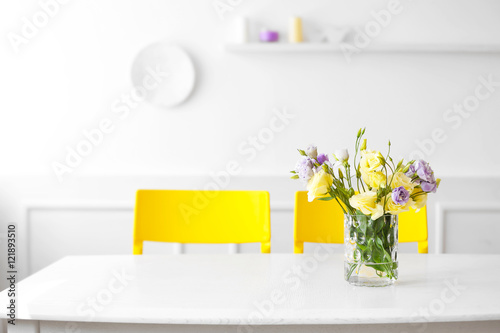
(375, 179)
(370, 161)
(419, 198)
(366, 203)
(400, 179)
(393, 208)
(319, 185)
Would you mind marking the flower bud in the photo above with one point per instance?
(363, 145)
(341, 175)
(400, 163)
(312, 151)
(341, 155)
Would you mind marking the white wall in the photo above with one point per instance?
(67, 77)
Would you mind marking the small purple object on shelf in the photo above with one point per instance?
(268, 36)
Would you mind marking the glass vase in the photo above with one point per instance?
(371, 250)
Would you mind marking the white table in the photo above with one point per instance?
(256, 293)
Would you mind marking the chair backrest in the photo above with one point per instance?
(323, 222)
(181, 216)
(317, 222)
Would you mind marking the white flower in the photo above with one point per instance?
(342, 155)
(312, 151)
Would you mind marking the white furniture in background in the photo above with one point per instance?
(375, 48)
(256, 293)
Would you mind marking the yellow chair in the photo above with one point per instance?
(202, 217)
(323, 222)
(412, 227)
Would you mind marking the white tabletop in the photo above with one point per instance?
(257, 289)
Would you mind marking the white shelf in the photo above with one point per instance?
(334, 48)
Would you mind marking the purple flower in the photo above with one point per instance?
(400, 195)
(304, 169)
(322, 158)
(424, 171)
(429, 186)
(411, 171)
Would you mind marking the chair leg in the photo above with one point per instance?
(298, 247)
(423, 247)
(265, 247)
(137, 247)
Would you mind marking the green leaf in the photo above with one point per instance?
(379, 243)
(295, 177)
(378, 225)
(378, 255)
(363, 224)
(369, 231)
(325, 199)
(387, 256)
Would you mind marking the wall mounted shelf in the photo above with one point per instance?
(378, 48)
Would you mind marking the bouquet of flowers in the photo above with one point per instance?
(370, 190)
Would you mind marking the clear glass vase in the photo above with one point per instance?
(371, 250)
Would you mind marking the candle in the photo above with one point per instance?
(241, 29)
(295, 33)
(268, 36)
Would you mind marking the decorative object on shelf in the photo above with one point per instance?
(317, 47)
(295, 32)
(268, 36)
(371, 196)
(241, 30)
(164, 74)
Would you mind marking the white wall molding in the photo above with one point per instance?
(30, 206)
(443, 207)
(95, 205)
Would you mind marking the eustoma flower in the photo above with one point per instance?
(429, 186)
(400, 179)
(375, 179)
(304, 169)
(373, 185)
(366, 203)
(394, 208)
(419, 198)
(400, 195)
(370, 161)
(312, 151)
(322, 158)
(342, 155)
(319, 185)
(423, 175)
(424, 171)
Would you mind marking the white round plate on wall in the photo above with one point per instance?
(166, 73)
